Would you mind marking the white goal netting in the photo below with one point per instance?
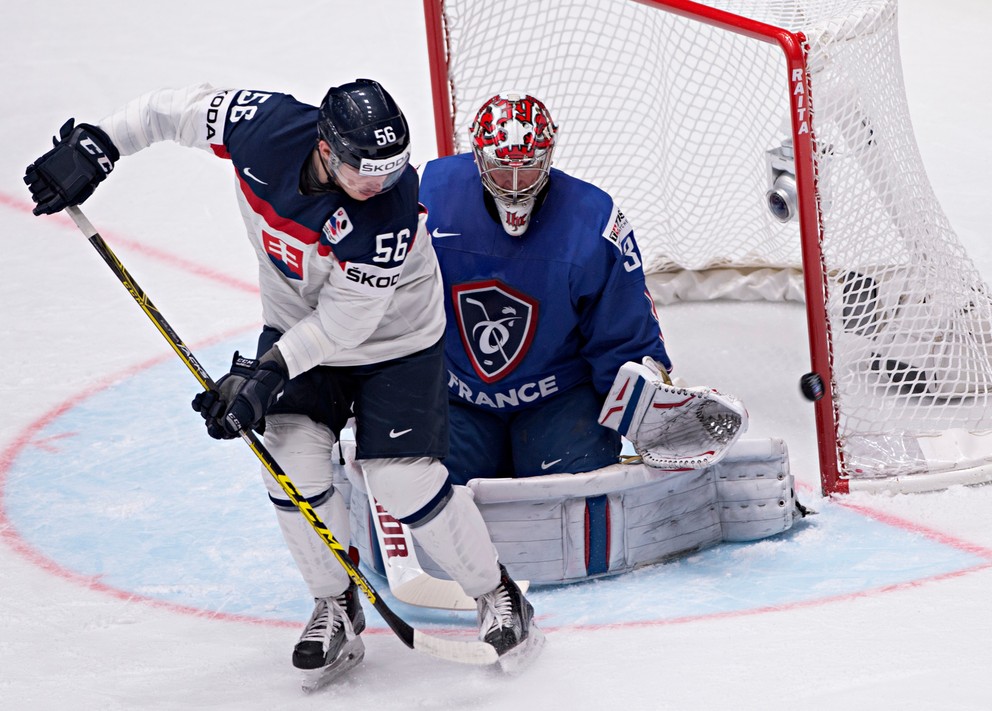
(688, 126)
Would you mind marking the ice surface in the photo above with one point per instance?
(140, 565)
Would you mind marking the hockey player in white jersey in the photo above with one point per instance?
(354, 327)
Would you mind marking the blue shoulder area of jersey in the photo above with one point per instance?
(395, 212)
(567, 228)
(269, 147)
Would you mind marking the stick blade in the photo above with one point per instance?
(472, 652)
(427, 591)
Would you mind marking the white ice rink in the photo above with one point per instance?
(880, 602)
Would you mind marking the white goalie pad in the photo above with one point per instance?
(671, 427)
(571, 527)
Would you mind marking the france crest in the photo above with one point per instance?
(497, 325)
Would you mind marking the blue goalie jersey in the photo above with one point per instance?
(532, 316)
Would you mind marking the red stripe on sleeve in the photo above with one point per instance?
(276, 221)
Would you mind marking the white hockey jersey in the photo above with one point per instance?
(347, 282)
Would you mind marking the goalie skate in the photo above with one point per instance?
(330, 644)
(506, 622)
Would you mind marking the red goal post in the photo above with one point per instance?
(905, 358)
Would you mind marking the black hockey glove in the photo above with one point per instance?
(69, 173)
(243, 396)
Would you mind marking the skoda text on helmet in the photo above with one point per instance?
(513, 139)
(367, 134)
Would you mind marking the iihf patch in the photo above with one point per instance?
(618, 227)
(338, 227)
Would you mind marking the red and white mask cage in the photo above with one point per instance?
(513, 139)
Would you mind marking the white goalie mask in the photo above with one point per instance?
(513, 139)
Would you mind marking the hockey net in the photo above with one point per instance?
(699, 119)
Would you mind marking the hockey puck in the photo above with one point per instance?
(811, 385)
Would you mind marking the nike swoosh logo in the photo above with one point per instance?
(248, 173)
(438, 235)
(548, 465)
(393, 434)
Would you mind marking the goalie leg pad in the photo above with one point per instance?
(572, 527)
(756, 493)
(565, 528)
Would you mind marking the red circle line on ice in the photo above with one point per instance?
(33, 435)
(30, 436)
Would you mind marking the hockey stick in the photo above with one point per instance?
(407, 581)
(466, 652)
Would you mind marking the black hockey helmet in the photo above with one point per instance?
(365, 129)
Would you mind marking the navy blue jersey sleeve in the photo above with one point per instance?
(242, 110)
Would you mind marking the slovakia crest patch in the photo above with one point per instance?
(287, 258)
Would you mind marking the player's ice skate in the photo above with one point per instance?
(330, 644)
(506, 622)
